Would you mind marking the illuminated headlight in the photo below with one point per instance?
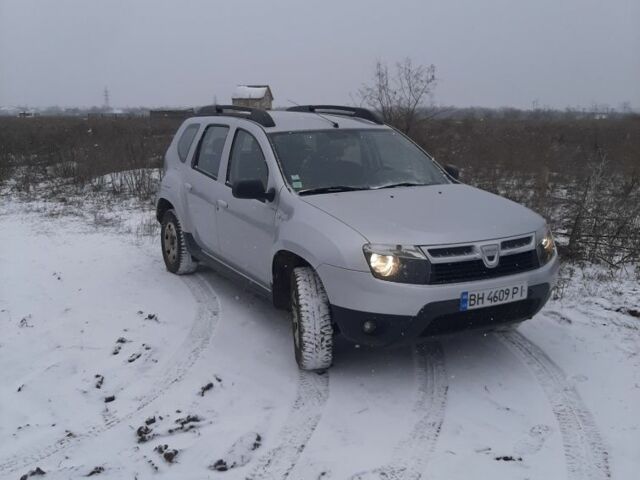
(397, 263)
(546, 246)
(384, 265)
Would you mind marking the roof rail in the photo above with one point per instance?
(255, 114)
(339, 110)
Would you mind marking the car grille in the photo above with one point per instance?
(450, 251)
(515, 243)
(470, 270)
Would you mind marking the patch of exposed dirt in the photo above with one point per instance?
(37, 472)
(169, 454)
(96, 471)
(239, 454)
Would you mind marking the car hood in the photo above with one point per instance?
(429, 215)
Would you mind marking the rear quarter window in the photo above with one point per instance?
(210, 151)
(186, 139)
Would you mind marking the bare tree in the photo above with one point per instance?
(399, 96)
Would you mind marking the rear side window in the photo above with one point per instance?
(186, 139)
(210, 151)
(246, 161)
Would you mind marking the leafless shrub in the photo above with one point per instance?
(580, 173)
(604, 217)
(5, 168)
(399, 96)
(563, 281)
(147, 228)
(77, 153)
(101, 219)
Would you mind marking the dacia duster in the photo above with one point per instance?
(349, 225)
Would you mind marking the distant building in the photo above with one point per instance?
(254, 96)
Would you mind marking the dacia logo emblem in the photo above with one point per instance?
(490, 255)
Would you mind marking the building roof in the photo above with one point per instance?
(252, 92)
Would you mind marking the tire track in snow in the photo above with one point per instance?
(305, 414)
(585, 454)
(182, 360)
(412, 454)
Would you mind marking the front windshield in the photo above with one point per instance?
(313, 161)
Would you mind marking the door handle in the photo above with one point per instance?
(188, 186)
(222, 204)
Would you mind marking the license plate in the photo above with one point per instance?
(492, 296)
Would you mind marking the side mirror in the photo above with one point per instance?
(452, 171)
(252, 189)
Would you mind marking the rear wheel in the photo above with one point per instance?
(174, 247)
(311, 319)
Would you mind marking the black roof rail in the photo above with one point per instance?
(339, 110)
(256, 114)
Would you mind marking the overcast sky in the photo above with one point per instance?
(155, 52)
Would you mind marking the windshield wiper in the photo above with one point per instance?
(333, 189)
(404, 184)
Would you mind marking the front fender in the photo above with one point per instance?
(318, 237)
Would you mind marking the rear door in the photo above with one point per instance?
(203, 187)
(247, 227)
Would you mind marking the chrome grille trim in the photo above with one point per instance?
(507, 246)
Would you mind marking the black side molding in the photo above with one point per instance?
(225, 270)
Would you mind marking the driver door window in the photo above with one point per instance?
(246, 161)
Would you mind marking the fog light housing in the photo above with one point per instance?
(369, 326)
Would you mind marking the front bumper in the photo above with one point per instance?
(435, 318)
(405, 312)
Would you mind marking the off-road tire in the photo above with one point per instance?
(176, 256)
(311, 320)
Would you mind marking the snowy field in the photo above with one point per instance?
(112, 367)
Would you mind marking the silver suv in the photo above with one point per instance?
(348, 224)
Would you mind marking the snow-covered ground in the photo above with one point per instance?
(110, 365)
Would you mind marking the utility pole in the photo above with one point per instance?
(106, 99)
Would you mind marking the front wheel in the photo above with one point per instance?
(311, 319)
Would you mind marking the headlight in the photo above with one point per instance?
(384, 265)
(397, 263)
(546, 246)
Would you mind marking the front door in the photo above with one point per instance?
(246, 228)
